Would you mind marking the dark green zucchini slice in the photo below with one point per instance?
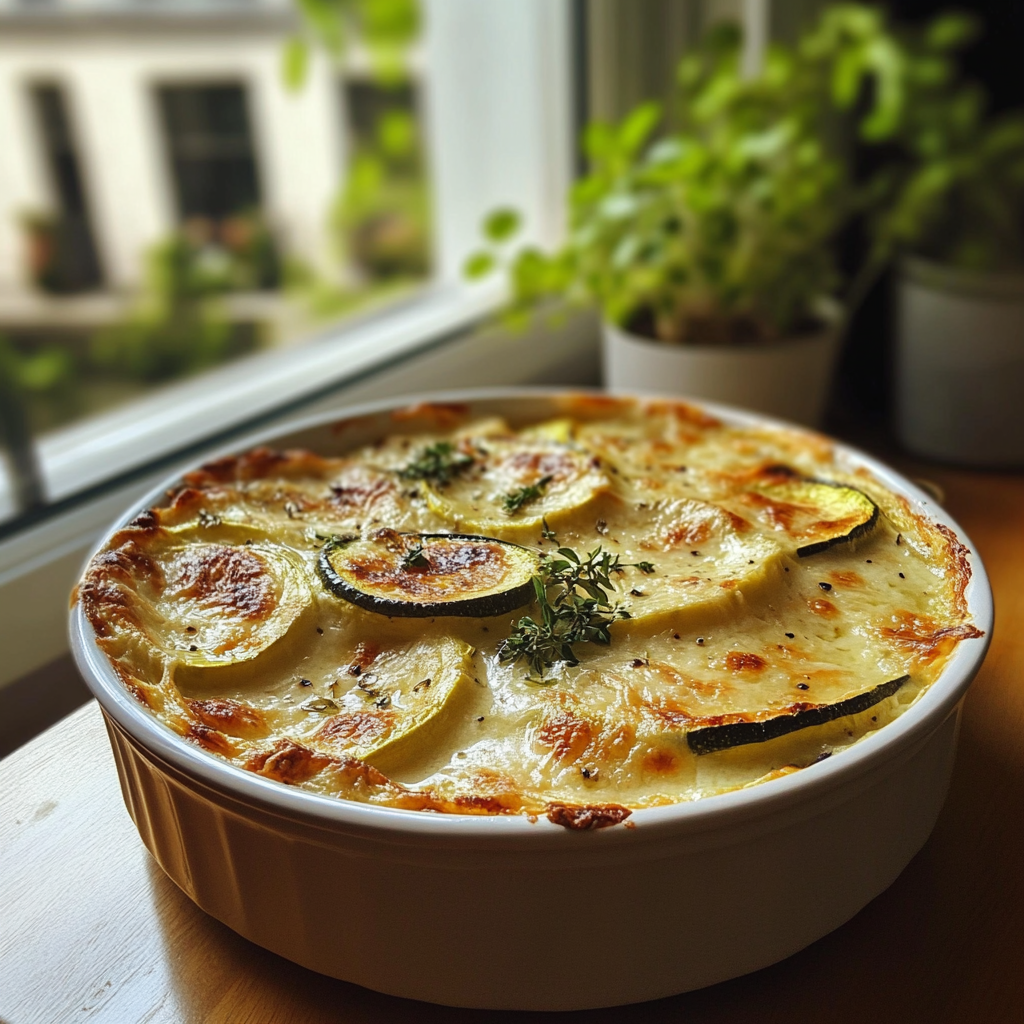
(426, 574)
(713, 738)
(820, 512)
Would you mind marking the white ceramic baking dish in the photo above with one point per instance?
(498, 912)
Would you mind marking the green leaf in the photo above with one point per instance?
(886, 61)
(295, 63)
(635, 129)
(625, 252)
(846, 78)
(324, 18)
(599, 141)
(666, 151)
(501, 225)
(396, 134)
(951, 31)
(478, 265)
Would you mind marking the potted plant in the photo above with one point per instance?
(41, 231)
(950, 208)
(708, 246)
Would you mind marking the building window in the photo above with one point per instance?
(65, 258)
(209, 143)
(385, 205)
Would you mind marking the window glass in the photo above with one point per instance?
(65, 259)
(209, 143)
(385, 207)
(188, 201)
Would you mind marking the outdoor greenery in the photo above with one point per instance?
(382, 213)
(380, 218)
(385, 27)
(179, 325)
(716, 220)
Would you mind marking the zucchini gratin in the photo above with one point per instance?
(629, 605)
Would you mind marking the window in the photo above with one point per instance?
(385, 209)
(246, 276)
(65, 259)
(209, 143)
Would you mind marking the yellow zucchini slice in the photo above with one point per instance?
(220, 602)
(515, 484)
(429, 574)
(726, 580)
(558, 430)
(402, 705)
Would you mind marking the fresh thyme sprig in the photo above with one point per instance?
(575, 607)
(414, 558)
(515, 500)
(438, 462)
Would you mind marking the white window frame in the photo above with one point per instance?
(497, 98)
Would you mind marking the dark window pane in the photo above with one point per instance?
(69, 262)
(209, 143)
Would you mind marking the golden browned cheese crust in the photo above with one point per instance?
(795, 606)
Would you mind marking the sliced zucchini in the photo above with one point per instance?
(429, 574)
(402, 705)
(712, 738)
(726, 580)
(818, 513)
(222, 603)
(558, 430)
(515, 484)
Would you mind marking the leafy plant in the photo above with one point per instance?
(719, 230)
(387, 27)
(382, 212)
(178, 326)
(381, 215)
(722, 227)
(951, 186)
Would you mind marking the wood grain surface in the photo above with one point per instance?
(91, 929)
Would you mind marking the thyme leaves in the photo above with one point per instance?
(414, 558)
(438, 463)
(575, 606)
(515, 500)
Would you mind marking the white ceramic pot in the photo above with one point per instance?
(502, 913)
(960, 364)
(790, 379)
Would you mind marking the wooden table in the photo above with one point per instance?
(92, 930)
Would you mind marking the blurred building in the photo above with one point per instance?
(124, 120)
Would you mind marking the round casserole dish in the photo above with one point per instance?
(502, 913)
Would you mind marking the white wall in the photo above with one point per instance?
(109, 82)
